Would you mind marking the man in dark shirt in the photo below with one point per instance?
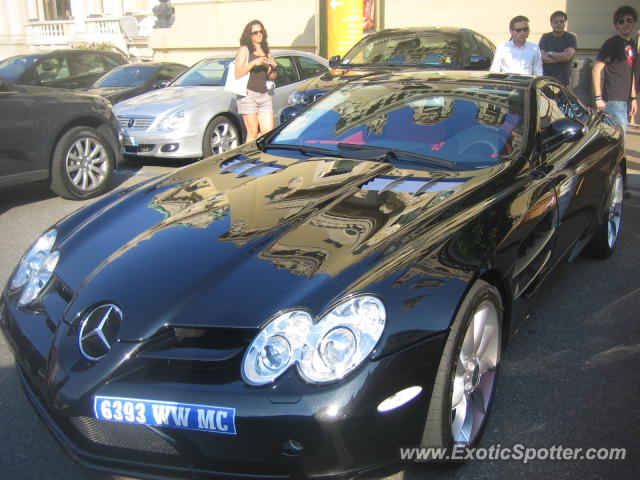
(558, 48)
(614, 73)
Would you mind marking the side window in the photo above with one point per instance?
(85, 63)
(166, 73)
(111, 62)
(286, 71)
(469, 47)
(310, 68)
(53, 68)
(175, 70)
(485, 48)
(555, 103)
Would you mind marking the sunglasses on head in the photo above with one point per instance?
(621, 21)
(520, 30)
(256, 32)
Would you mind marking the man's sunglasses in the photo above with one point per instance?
(621, 21)
(520, 30)
(256, 32)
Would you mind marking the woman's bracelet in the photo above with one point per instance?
(598, 97)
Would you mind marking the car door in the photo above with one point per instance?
(573, 167)
(287, 80)
(19, 159)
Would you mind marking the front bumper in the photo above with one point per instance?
(287, 430)
(187, 144)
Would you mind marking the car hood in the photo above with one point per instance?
(219, 245)
(169, 98)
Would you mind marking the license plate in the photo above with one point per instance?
(206, 418)
(131, 140)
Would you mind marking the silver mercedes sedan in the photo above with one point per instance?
(194, 116)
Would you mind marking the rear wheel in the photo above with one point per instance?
(603, 244)
(221, 135)
(468, 371)
(82, 164)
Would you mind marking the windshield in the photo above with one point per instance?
(129, 76)
(468, 125)
(12, 68)
(210, 72)
(437, 50)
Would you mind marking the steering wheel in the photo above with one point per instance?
(479, 144)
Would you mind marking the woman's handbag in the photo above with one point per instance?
(236, 85)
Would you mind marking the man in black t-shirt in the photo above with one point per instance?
(558, 48)
(615, 70)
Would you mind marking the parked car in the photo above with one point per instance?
(194, 116)
(70, 139)
(307, 303)
(433, 48)
(133, 79)
(72, 68)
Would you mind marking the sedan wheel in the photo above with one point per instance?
(468, 370)
(82, 164)
(221, 135)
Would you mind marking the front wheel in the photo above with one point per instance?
(466, 378)
(82, 164)
(221, 135)
(603, 243)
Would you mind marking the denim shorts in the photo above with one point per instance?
(619, 111)
(255, 102)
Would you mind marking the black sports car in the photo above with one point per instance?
(431, 48)
(133, 79)
(305, 304)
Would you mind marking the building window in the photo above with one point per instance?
(57, 9)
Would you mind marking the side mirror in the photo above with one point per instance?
(334, 61)
(562, 131)
(479, 62)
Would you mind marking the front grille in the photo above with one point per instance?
(123, 435)
(135, 123)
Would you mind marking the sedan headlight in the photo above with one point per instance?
(324, 351)
(173, 121)
(303, 97)
(36, 268)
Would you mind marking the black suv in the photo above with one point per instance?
(72, 140)
(433, 48)
(72, 68)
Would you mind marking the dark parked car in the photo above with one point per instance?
(70, 139)
(72, 68)
(133, 79)
(433, 48)
(305, 304)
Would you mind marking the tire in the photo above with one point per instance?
(82, 164)
(603, 243)
(468, 371)
(221, 135)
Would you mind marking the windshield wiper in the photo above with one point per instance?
(371, 154)
(404, 155)
(307, 150)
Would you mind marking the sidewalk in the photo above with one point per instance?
(632, 147)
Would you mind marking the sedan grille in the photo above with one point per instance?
(136, 123)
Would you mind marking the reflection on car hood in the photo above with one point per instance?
(216, 234)
(158, 101)
(337, 76)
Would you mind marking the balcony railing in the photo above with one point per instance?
(90, 31)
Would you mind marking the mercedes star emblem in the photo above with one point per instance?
(99, 330)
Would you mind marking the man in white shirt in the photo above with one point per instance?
(517, 55)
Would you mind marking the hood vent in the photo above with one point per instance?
(248, 167)
(413, 185)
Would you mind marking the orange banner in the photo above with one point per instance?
(344, 25)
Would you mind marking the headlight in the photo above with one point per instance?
(36, 268)
(173, 121)
(300, 97)
(324, 351)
